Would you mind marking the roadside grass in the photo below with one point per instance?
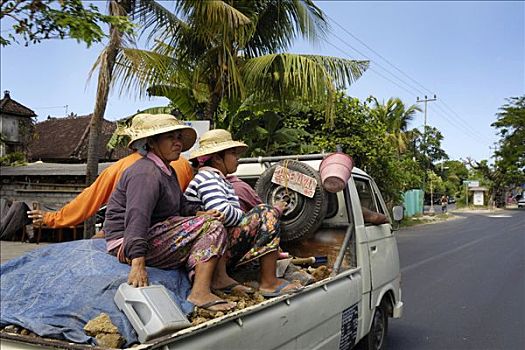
(425, 219)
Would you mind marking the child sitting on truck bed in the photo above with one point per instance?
(252, 235)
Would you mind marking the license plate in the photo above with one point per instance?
(294, 180)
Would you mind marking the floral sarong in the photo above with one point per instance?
(258, 233)
(179, 241)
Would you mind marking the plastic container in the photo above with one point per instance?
(335, 170)
(150, 310)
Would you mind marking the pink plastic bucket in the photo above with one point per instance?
(335, 170)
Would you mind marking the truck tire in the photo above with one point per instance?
(376, 338)
(303, 215)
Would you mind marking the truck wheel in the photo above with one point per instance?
(303, 215)
(376, 338)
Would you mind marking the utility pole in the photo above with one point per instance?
(426, 100)
(495, 188)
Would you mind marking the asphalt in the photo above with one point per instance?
(463, 283)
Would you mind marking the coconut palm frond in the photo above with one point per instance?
(155, 18)
(137, 69)
(181, 97)
(212, 12)
(301, 77)
(310, 20)
(278, 23)
(211, 18)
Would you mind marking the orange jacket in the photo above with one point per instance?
(93, 197)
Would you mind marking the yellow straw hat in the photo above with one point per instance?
(214, 141)
(146, 125)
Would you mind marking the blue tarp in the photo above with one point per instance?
(54, 291)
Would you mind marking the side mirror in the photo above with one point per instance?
(397, 212)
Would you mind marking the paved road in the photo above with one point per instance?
(463, 284)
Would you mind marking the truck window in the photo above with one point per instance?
(371, 207)
(366, 194)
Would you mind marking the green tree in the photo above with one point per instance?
(434, 185)
(411, 174)
(106, 64)
(427, 146)
(510, 156)
(360, 134)
(37, 20)
(233, 49)
(453, 173)
(396, 117)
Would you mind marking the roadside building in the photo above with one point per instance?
(478, 195)
(65, 140)
(16, 125)
(57, 170)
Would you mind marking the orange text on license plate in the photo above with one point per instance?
(294, 180)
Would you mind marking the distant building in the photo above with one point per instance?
(16, 126)
(65, 140)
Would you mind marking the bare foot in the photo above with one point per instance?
(201, 299)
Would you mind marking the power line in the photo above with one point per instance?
(378, 54)
(444, 113)
(371, 68)
(470, 131)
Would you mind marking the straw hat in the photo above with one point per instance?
(214, 141)
(146, 125)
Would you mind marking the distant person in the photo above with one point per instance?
(444, 203)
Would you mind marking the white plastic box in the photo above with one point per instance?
(150, 310)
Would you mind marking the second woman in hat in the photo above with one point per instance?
(252, 235)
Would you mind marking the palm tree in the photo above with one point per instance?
(232, 49)
(106, 63)
(396, 117)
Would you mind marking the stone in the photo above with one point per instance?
(100, 324)
(108, 340)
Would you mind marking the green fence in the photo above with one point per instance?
(413, 202)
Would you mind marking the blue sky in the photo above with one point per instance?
(470, 54)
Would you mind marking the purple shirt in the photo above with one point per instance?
(145, 195)
(248, 198)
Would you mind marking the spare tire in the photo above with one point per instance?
(303, 215)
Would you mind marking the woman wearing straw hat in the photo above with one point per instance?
(146, 223)
(252, 235)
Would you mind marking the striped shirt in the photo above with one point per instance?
(211, 189)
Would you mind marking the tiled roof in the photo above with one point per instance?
(66, 140)
(10, 106)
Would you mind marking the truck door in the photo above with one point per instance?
(382, 248)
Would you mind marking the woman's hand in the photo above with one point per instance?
(138, 276)
(214, 213)
(37, 216)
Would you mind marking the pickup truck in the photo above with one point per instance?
(351, 306)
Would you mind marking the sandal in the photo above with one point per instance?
(206, 306)
(280, 290)
(234, 287)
